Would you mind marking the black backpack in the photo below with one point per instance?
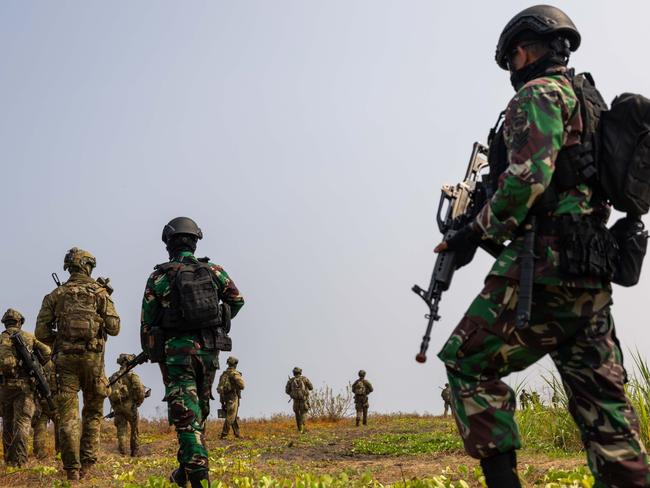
(194, 297)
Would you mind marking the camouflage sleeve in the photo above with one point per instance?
(43, 349)
(534, 133)
(137, 389)
(150, 305)
(229, 292)
(308, 383)
(238, 380)
(45, 322)
(287, 389)
(109, 314)
(369, 388)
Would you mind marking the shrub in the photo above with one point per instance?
(327, 405)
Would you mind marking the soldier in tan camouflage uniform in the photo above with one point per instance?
(446, 398)
(75, 319)
(229, 388)
(44, 414)
(361, 389)
(16, 390)
(127, 394)
(298, 389)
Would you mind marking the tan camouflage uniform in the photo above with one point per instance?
(300, 405)
(16, 391)
(78, 341)
(43, 414)
(127, 394)
(230, 386)
(361, 389)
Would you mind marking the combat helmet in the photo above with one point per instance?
(362, 373)
(543, 21)
(78, 258)
(232, 361)
(297, 371)
(124, 358)
(12, 317)
(181, 225)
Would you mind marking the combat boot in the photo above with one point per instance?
(358, 421)
(85, 469)
(196, 478)
(179, 476)
(500, 471)
(72, 474)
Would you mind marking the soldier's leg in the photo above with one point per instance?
(365, 415)
(592, 370)
(23, 412)
(39, 425)
(134, 420)
(296, 413)
(95, 390)
(121, 426)
(226, 428)
(235, 411)
(67, 370)
(359, 410)
(446, 409)
(7, 422)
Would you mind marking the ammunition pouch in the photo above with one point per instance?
(632, 242)
(221, 413)
(216, 339)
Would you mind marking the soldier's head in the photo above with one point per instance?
(13, 318)
(79, 261)
(181, 234)
(536, 33)
(446, 385)
(124, 358)
(362, 373)
(297, 371)
(232, 361)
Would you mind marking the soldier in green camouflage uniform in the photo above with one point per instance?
(229, 388)
(127, 394)
(190, 364)
(16, 389)
(446, 398)
(571, 319)
(75, 320)
(361, 389)
(298, 389)
(43, 414)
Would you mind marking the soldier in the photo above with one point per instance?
(75, 320)
(43, 414)
(571, 318)
(16, 389)
(127, 394)
(229, 388)
(524, 399)
(298, 389)
(446, 398)
(361, 389)
(190, 301)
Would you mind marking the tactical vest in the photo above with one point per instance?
(8, 357)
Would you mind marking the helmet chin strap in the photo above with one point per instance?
(537, 68)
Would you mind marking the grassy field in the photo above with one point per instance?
(395, 450)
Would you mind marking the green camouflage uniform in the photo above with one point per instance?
(300, 405)
(188, 369)
(127, 394)
(446, 398)
(17, 398)
(361, 389)
(79, 366)
(570, 321)
(43, 414)
(229, 397)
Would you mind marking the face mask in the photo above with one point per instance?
(535, 70)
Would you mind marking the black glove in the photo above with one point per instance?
(464, 243)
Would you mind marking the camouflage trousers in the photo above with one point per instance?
(41, 417)
(126, 417)
(447, 408)
(300, 409)
(361, 406)
(231, 405)
(85, 372)
(17, 403)
(575, 328)
(188, 376)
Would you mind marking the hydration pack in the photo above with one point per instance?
(298, 389)
(77, 317)
(359, 387)
(225, 386)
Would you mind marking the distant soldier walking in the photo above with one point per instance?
(446, 398)
(186, 311)
(524, 399)
(43, 414)
(75, 319)
(229, 388)
(127, 394)
(361, 389)
(16, 389)
(298, 389)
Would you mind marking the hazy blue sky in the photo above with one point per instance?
(308, 139)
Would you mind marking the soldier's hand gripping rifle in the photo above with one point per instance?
(464, 201)
(31, 363)
(143, 357)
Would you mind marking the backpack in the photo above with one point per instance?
(614, 153)
(119, 393)
(194, 297)
(359, 387)
(298, 390)
(76, 313)
(225, 386)
(8, 357)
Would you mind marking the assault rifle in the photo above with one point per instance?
(31, 363)
(143, 357)
(464, 201)
(111, 414)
